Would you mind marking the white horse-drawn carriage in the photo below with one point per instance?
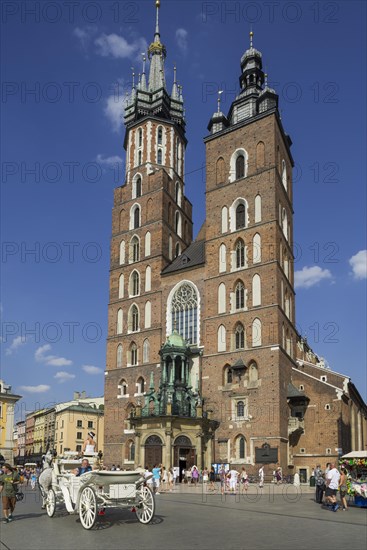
(92, 492)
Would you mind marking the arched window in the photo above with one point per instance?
(240, 295)
(160, 135)
(134, 285)
(131, 451)
(285, 223)
(170, 247)
(148, 279)
(220, 171)
(256, 248)
(140, 157)
(240, 167)
(119, 321)
(122, 386)
(240, 254)
(147, 243)
(138, 187)
(178, 224)
(260, 154)
(121, 286)
(133, 319)
(256, 290)
(146, 351)
(140, 385)
(222, 298)
(159, 156)
(256, 333)
(284, 174)
(240, 409)
(221, 338)
(122, 252)
(241, 448)
(224, 219)
(134, 252)
(178, 193)
(177, 250)
(253, 374)
(136, 218)
(258, 208)
(184, 312)
(229, 376)
(239, 336)
(148, 314)
(119, 356)
(140, 137)
(222, 258)
(133, 354)
(240, 216)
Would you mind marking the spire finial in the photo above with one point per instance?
(219, 99)
(133, 75)
(266, 79)
(144, 60)
(251, 37)
(157, 5)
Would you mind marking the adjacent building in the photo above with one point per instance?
(7, 410)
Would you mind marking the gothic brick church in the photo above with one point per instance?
(204, 364)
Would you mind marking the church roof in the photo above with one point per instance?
(292, 391)
(193, 256)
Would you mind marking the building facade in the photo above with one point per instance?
(204, 363)
(7, 409)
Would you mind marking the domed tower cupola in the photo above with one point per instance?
(219, 121)
(252, 77)
(268, 98)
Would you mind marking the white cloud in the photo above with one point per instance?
(118, 47)
(110, 162)
(42, 388)
(359, 264)
(114, 111)
(63, 376)
(52, 360)
(181, 39)
(89, 369)
(16, 343)
(310, 276)
(85, 36)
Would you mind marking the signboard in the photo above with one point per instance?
(266, 454)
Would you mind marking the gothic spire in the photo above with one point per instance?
(157, 54)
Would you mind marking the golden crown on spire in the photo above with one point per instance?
(157, 3)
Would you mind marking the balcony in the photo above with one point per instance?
(296, 426)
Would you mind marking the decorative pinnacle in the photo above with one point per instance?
(251, 37)
(157, 5)
(133, 70)
(144, 60)
(219, 98)
(266, 79)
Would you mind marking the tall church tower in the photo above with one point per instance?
(151, 225)
(249, 330)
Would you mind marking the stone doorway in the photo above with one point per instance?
(153, 451)
(184, 454)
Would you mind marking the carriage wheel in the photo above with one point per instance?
(88, 507)
(51, 503)
(145, 504)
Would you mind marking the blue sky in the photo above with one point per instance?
(65, 72)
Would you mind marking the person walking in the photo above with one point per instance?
(332, 485)
(211, 479)
(343, 488)
(320, 484)
(244, 480)
(233, 476)
(261, 477)
(156, 478)
(9, 482)
(222, 479)
(195, 475)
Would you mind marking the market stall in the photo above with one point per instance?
(355, 463)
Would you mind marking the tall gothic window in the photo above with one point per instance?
(241, 448)
(119, 356)
(240, 167)
(134, 284)
(229, 376)
(133, 354)
(184, 313)
(133, 319)
(140, 137)
(136, 218)
(240, 253)
(138, 187)
(160, 135)
(134, 255)
(139, 157)
(240, 295)
(240, 216)
(240, 336)
(159, 156)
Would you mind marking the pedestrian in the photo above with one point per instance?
(332, 485)
(211, 479)
(261, 477)
(156, 478)
(278, 475)
(113, 468)
(33, 479)
(195, 475)
(9, 482)
(176, 474)
(343, 488)
(320, 484)
(90, 445)
(222, 479)
(170, 479)
(232, 476)
(244, 480)
(205, 475)
(164, 478)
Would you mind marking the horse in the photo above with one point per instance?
(45, 478)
